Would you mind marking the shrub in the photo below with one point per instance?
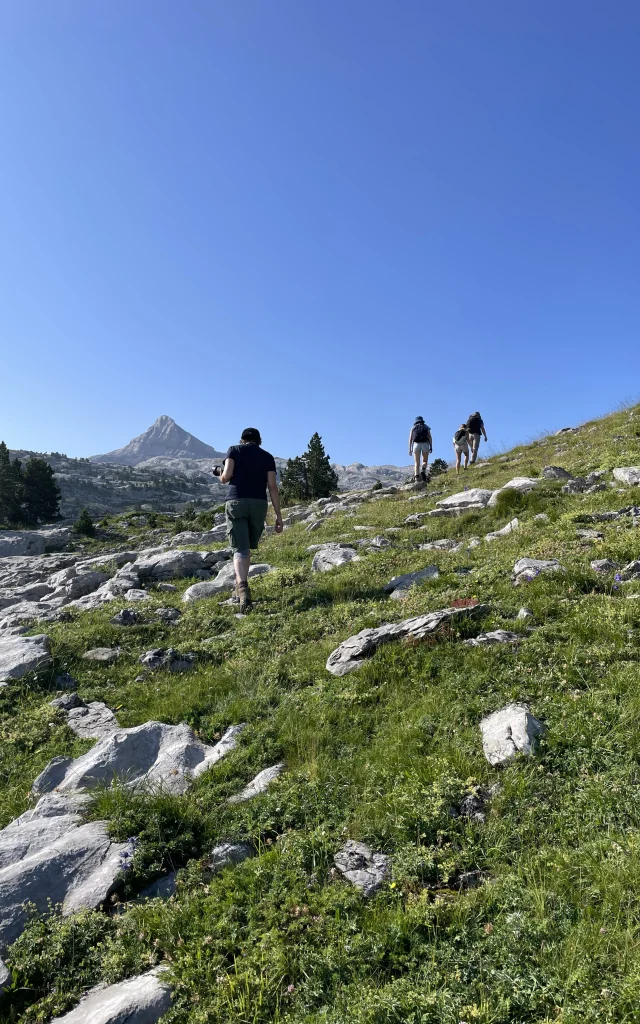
(84, 524)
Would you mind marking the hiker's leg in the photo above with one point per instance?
(466, 459)
(241, 564)
(457, 460)
(416, 462)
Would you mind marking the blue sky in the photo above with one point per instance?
(316, 215)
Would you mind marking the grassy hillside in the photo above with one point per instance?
(384, 755)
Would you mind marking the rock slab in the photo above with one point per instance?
(352, 653)
(141, 1000)
(20, 655)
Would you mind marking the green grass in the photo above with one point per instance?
(382, 755)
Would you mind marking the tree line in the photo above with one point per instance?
(29, 494)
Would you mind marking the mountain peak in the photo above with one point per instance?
(163, 438)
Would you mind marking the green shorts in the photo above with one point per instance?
(245, 522)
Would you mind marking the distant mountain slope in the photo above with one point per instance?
(164, 439)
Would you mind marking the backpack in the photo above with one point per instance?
(420, 433)
(460, 435)
(474, 423)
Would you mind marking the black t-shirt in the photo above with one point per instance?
(475, 424)
(251, 465)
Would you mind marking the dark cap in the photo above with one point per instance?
(252, 435)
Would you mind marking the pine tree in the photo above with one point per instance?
(310, 475)
(10, 488)
(40, 493)
(323, 480)
(294, 485)
(84, 524)
(438, 466)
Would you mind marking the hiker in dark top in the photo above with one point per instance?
(420, 444)
(461, 445)
(248, 470)
(475, 427)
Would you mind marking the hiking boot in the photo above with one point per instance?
(244, 597)
(423, 476)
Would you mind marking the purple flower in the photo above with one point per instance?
(617, 577)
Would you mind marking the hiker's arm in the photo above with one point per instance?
(411, 442)
(430, 443)
(484, 432)
(272, 484)
(227, 472)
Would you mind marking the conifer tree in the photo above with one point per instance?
(310, 475)
(40, 493)
(10, 488)
(323, 480)
(84, 524)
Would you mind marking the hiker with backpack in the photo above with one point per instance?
(475, 427)
(248, 470)
(461, 446)
(420, 444)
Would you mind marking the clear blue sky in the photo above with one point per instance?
(316, 215)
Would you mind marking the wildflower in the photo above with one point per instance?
(291, 989)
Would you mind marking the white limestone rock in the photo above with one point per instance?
(444, 544)
(555, 473)
(495, 636)
(224, 581)
(526, 569)
(154, 755)
(258, 785)
(141, 1000)
(629, 475)
(511, 731)
(20, 542)
(475, 497)
(353, 652)
(20, 655)
(168, 659)
(84, 583)
(331, 557)
(603, 565)
(103, 655)
(509, 528)
(523, 484)
(91, 721)
(400, 586)
(362, 867)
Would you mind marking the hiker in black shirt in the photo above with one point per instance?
(248, 470)
(475, 426)
(420, 444)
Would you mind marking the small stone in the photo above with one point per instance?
(526, 569)
(168, 614)
(399, 586)
(589, 535)
(170, 659)
(258, 785)
(362, 867)
(126, 617)
(141, 1000)
(103, 655)
(226, 854)
(603, 565)
(524, 613)
(512, 730)
(541, 517)
(168, 588)
(555, 473)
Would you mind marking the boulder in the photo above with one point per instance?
(91, 721)
(575, 486)
(629, 475)
(474, 497)
(509, 528)
(496, 636)
(168, 614)
(125, 617)
(56, 538)
(258, 785)
(84, 583)
(103, 655)
(225, 854)
(224, 581)
(169, 565)
(352, 653)
(20, 542)
(135, 594)
(522, 484)
(168, 659)
(141, 1000)
(20, 655)
(399, 586)
(555, 473)
(526, 569)
(362, 867)
(49, 858)
(630, 571)
(512, 730)
(603, 565)
(444, 544)
(331, 557)
(155, 755)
